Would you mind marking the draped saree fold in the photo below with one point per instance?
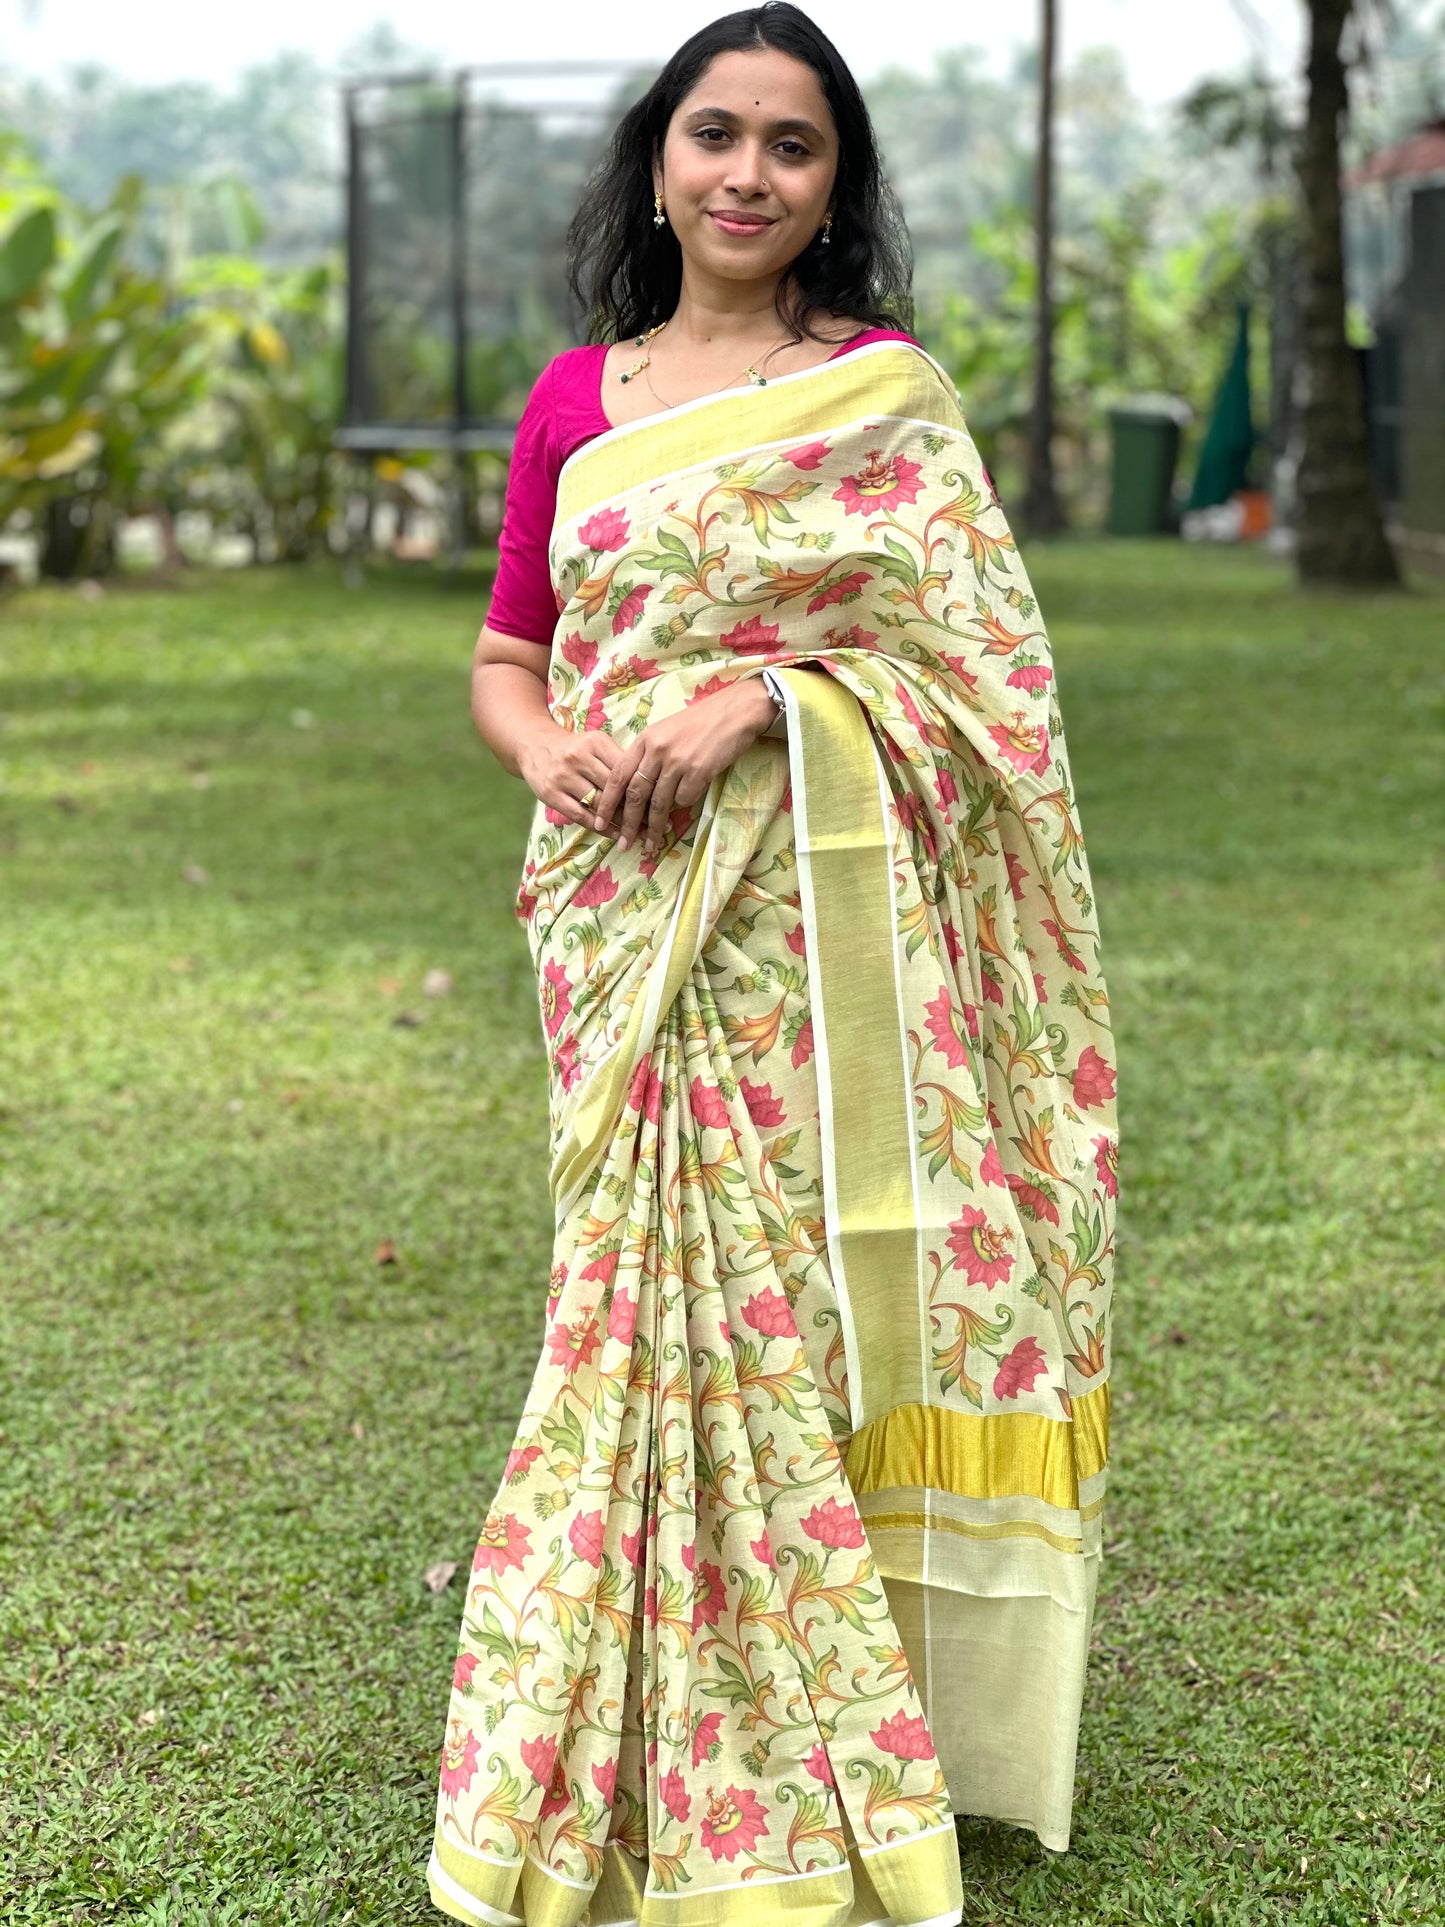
(796, 1551)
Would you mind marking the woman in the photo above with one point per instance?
(795, 1554)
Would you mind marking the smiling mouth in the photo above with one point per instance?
(740, 223)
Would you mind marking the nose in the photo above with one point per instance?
(745, 175)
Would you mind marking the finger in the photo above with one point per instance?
(610, 795)
(638, 796)
(659, 809)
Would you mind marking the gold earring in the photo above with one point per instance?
(657, 217)
(827, 230)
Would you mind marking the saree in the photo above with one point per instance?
(795, 1554)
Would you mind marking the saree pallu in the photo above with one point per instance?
(796, 1552)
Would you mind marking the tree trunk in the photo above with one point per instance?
(1340, 532)
(1043, 512)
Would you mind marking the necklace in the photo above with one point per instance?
(641, 367)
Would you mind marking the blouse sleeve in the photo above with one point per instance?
(523, 602)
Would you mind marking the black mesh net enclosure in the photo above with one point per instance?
(459, 193)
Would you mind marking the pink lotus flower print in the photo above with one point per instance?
(555, 1798)
(1018, 876)
(593, 891)
(905, 1737)
(803, 1047)
(705, 1742)
(462, 1672)
(606, 531)
(733, 1821)
(504, 1542)
(832, 1524)
(460, 1752)
(632, 1546)
(539, 1756)
(1035, 1202)
(629, 609)
(1093, 1081)
(762, 1550)
(879, 487)
(604, 1778)
(585, 1534)
(707, 1104)
(622, 1317)
(569, 1067)
(847, 588)
(980, 1252)
(944, 1023)
(580, 653)
(556, 997)
(989, 1169)
(751, 638)
(808, 456)
(673, 1794)
(769, 1313)
(645, 1094)
(710, 1597)
(519, 1458)
(819, 1765)
(1106, 1162)
(763, 1108)
(1024, 744)
(1019, 1370)
(1030, 676)
(601, 1268)
(576, 1344)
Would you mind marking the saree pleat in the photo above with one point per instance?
(795, 1552)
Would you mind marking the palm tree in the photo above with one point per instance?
(1341, 534)
(1043, 512)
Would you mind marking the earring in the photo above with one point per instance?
(657, 218)
(827, 230)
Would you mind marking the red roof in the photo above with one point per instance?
(1407, 160)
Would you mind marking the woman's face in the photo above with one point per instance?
(748, 165)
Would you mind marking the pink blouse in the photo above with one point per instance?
(563, 411)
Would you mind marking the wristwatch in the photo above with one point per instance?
(779, 724)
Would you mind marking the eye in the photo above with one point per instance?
(799, 151)
(703, 132)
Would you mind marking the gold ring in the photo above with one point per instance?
(589, 797)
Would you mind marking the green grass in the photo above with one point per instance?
(233, 1443)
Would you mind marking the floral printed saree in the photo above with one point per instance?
(795, 1554)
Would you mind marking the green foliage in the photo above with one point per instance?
(244, 819)
(96, 364)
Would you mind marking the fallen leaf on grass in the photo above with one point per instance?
(387, 1254)
(438, 1577)
(389, 986)
(437, 983)
(151, 1717)
(195, 873)
(407, 1020)
(358, 1430)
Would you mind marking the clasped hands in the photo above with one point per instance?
(627, 790)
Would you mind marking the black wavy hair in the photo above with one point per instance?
(626, 274)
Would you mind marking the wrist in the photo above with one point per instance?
(753, 702)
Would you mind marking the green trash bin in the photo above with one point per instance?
(1145, 431)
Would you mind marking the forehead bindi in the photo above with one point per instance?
(763, 87)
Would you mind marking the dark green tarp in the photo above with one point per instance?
(1229, 441)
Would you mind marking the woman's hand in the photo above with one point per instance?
(562, 766)
(672, 762)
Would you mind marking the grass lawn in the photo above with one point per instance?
(244, 817)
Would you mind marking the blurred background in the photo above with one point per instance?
(272, 289)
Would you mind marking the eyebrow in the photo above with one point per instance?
(776, 127)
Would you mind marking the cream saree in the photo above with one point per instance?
(795, 1554)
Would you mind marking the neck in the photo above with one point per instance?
(713, 312)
